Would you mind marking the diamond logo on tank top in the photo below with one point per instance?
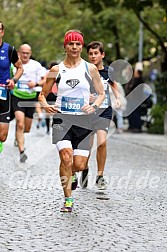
(72, 82)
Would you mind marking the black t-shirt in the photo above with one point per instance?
(104, 74)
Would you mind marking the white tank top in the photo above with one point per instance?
(73, 88)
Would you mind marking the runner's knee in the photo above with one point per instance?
(66, 157)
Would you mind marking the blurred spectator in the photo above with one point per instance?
(135, 122)
(51, 98)
(118, 112)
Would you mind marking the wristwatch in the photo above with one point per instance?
(15, 80)
(95, 107)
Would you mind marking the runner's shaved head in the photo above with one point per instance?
(25, 46)
(25, 53)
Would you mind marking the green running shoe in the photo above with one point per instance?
(68, 205)
(1, 147)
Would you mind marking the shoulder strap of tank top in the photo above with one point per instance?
(86, 65)
(87, 74)
(57, 80)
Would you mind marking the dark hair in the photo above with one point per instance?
(2, 26)
(52, 63)
(140, 72)
(95, 45)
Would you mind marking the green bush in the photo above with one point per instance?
(157, 119)
(158, 111)
(161, 88)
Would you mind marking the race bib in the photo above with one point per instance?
(105, 85)
(71, 104)
(22, 85)
(3, 92)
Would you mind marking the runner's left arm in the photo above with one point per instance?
(18, 74)
(98, 85)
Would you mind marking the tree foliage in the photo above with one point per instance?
(42, 24)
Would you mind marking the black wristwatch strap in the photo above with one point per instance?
(15, 80)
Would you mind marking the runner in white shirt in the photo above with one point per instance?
(72, 111)
(25, 96)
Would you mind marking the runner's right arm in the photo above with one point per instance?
(50, 80)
